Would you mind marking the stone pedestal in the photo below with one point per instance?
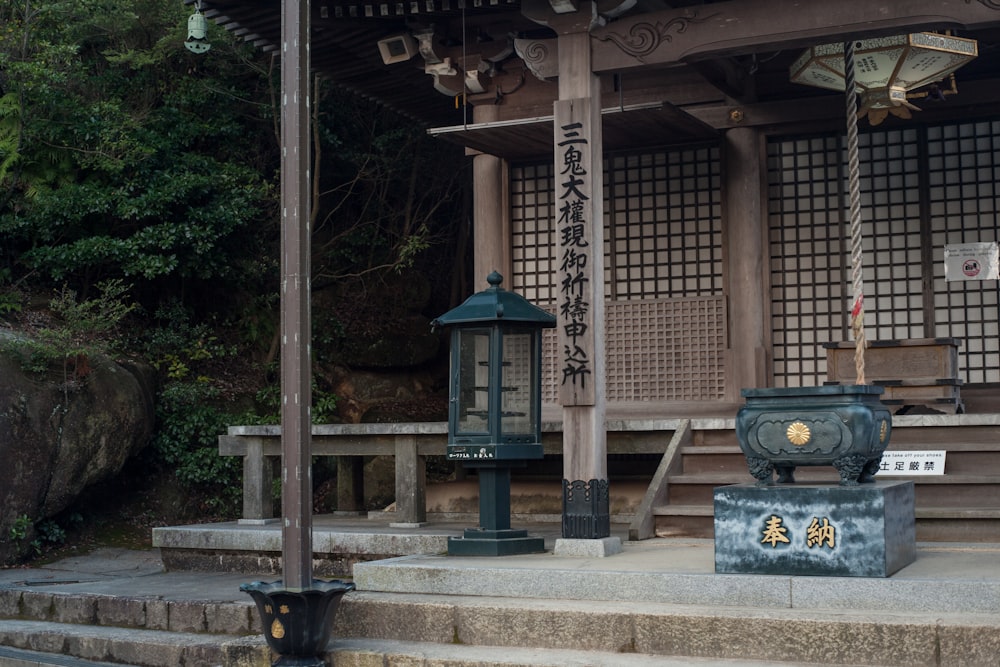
(483, 542)
(815, 529)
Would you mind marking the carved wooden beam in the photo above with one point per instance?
(540, 55)
(749, 26)
(462, 70)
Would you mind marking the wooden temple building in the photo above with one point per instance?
(648, 171)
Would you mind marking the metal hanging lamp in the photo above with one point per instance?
(886, 68)
(197, 39)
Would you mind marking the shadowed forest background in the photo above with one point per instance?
(139, 219)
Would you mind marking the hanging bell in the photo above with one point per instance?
(197, 41)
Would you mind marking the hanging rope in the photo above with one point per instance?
(854, 178)
(465, 83)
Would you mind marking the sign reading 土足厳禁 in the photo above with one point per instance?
(972, 261)
(911, 463)
(867, 530)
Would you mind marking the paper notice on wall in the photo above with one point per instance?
(972, 261)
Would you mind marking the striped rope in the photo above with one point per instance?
(854, 177)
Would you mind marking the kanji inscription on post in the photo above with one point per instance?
(576, 252)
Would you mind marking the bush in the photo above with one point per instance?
(188, 426)
(75, 330)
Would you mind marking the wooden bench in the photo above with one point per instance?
(410, 444)
(916, 371)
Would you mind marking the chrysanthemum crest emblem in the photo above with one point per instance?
(798, 434)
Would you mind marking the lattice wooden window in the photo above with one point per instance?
(919, 186)
(807, 252)
(891, 260)
(664, 232)
(964, 204)
(657, 350)
(666, 350)
(533, 238)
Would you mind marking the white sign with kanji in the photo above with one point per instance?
(907, 464)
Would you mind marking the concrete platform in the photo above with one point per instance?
(947, 578)
(944, 579)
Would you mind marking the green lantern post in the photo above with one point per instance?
(494, 411)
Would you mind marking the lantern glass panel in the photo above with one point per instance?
(517, 409)
(472, 367)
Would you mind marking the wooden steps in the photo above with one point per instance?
(961, 505)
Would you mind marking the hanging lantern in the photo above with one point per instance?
(887, 68)
(197, 40)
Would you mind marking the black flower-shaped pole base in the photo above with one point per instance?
(297, 623)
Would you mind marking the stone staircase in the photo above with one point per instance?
(963, 505)
(507, 616)
(431, 611)
(62, 628)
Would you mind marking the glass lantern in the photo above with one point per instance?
(495, 389)
(495, 406)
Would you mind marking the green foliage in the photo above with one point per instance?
(188, 426)
(11, 299)
(78, 329)
(130, 165)
(47, 532)
(324, 406)
(50, 532)
(19, 530)
(93, 319)
(175, 346)
(118, 157)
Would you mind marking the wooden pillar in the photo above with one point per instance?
(746, 252)
(491, 212)
(350, 483)
(579, 188)
(411, 471)
(296, 367)
(258, 479)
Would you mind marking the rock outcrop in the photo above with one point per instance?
(59, 437)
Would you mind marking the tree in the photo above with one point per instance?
(124, 155)
(386, 191)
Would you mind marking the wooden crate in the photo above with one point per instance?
(915, 371)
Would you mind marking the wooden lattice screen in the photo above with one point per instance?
(922, 188)
(657, 350)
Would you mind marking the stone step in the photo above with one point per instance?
(945, 580)
(388, 653)
(832, 637)
(15, 657)
(654, 603)
(406, 629)
(130, 612)
(128, 646)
